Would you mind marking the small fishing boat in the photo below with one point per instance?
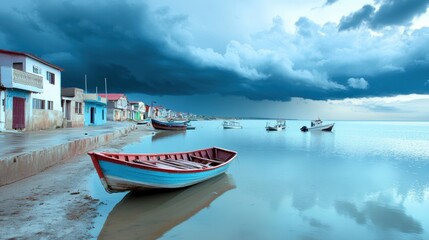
(123, 172)
(169, 125)
(189, 127)
(231, 125)
(278, 126)
(144, 122)
(318, 125)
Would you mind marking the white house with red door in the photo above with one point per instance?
(30, 92)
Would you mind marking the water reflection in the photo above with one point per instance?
(321, 141)
(166, 134)
(380, 215)
(148, 215)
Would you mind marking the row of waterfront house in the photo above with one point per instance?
(31, 98)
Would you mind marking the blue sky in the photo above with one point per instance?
(334, 59)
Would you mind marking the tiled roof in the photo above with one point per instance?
(112, 96)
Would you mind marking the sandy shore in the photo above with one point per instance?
(56, 203)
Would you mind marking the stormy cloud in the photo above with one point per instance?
(155, 50)
(389, 13)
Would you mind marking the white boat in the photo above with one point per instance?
(231, 125)
(278, 126)
(318, 125)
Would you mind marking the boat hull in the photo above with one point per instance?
(325, 128)
(120, 178)
(130, 172)
(175, 126)
(270, 128)
(232, 127)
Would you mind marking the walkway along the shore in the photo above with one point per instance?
(24, 154)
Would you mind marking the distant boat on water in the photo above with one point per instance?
(189, 127)
(169, 125)
(231, 125)
(123, 172)
(318, 125)
(278, 126)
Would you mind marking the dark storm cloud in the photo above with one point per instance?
(390, 13)
(125, 44)
(109, 39)
(354, 20)
(398, 12)
(150, 51)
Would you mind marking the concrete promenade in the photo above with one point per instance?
(23, 154)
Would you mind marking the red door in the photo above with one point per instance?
(18, 121)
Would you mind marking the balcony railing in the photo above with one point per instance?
(13, 78)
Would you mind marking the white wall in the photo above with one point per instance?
(2, 111)
(8, 60)
(51, 92)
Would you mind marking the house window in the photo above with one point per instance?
(18, 66)
(50, 105)
(78, 107)
(50, 77)
(102, 114)
(38, 104)
(37, 69)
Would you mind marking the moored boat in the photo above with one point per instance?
(189, 127)
(318, 125)
(278, 126)
(231, 125)
(144, 122)
(169, 125)
(123, 172)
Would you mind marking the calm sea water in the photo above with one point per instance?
(365, 180)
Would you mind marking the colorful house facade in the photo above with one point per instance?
(137, 111)
(31, 92)
(72, 104)
(117, 106)
(95, 109)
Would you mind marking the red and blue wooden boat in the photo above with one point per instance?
(124, 172)
(169, 125)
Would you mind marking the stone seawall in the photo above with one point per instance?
(17, 167)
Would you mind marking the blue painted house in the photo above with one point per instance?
(95, 110)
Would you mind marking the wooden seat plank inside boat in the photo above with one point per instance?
(205, 159)
(164, 162)
(183, 163)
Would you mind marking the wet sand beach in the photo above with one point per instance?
(55, 203)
